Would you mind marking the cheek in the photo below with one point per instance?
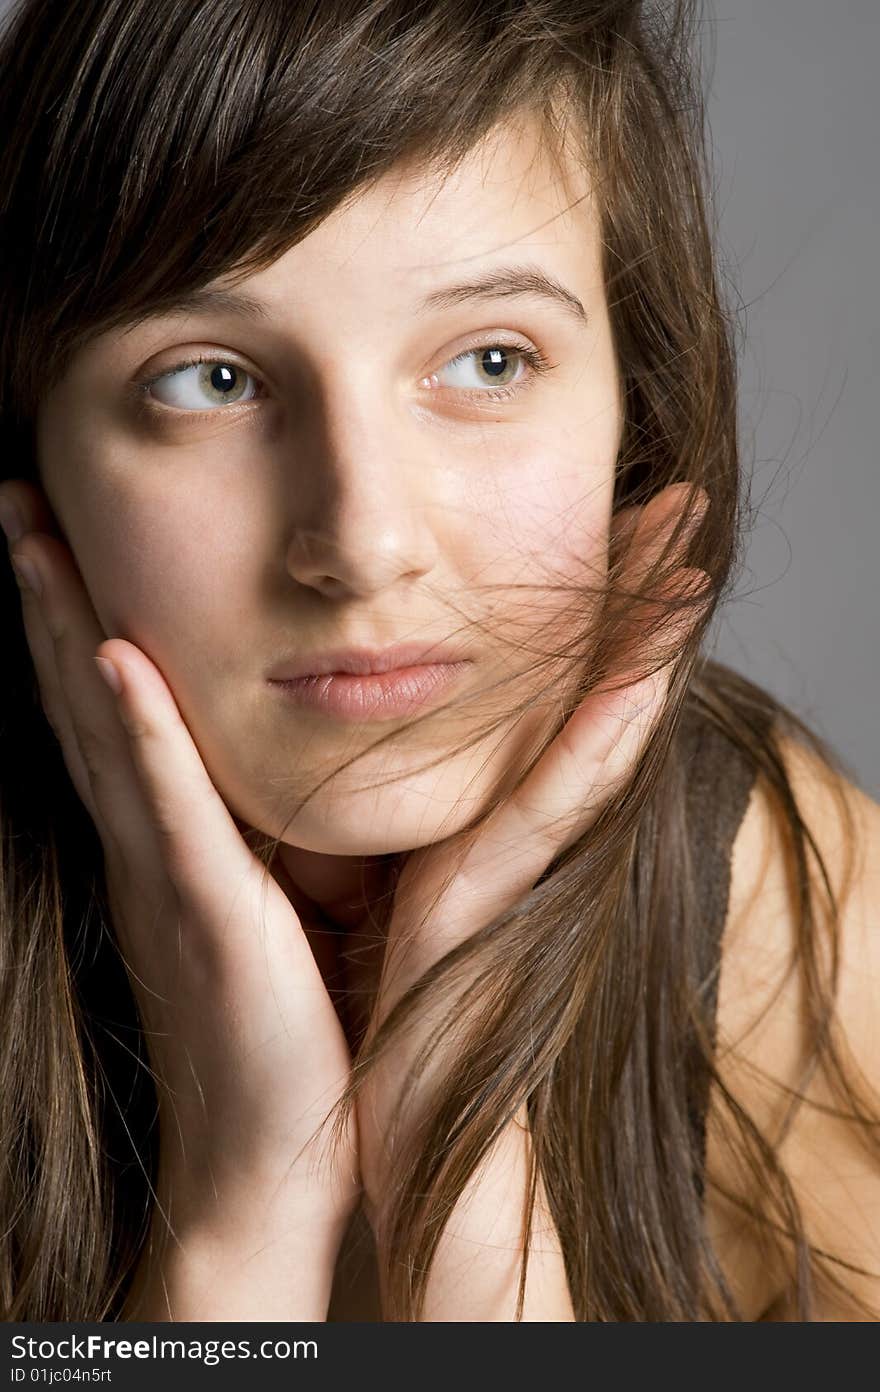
(548, 509)
(161, 573)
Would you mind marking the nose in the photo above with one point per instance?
(362, 525)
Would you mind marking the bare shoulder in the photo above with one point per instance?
(762, 1032)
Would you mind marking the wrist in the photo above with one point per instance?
(243, 1272)
(255, 1245)
(378, 1166)
(255, 1199)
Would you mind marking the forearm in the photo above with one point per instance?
(264, 1271)
(474, 1275)
(476, 1270)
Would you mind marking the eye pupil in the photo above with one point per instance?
(222, 377)
(495, 361)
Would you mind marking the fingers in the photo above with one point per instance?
(658, 523)
(24, 509)
(32, 507)
(198, 835)
(651, 538)
(623, 525)
(244, 1042)
(652, 524)
(63, 632)
(599, 746)
(592, 758)
(135, 766)
(256, 944)
(661, 619)
(131, 758)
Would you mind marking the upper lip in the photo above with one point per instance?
(364, 661)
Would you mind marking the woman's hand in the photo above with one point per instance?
(594, 756)
(245, 1043)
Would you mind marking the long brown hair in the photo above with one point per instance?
(155, 146)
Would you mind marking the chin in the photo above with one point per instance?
(417, 810)
(401, 811)
(380, 821)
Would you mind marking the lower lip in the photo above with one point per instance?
(379, 696)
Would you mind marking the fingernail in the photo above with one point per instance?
(28, 575)
(11, 520)
(110, 674)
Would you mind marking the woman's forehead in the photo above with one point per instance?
(510, 184)
(502, 222)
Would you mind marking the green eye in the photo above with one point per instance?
(498, 369)
(214, 382)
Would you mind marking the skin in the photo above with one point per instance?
(359, 500)
(178, 766)
(349, 504)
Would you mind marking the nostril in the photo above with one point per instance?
(11, 520)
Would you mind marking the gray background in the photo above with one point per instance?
(795, 131)
(794, 124)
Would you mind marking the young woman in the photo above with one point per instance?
(414, 924)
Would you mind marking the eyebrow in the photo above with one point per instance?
(502, 283)
(205, 300)
(509, 281)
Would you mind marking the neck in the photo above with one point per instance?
(341, 903)
(345, 889)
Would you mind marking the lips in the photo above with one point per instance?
(372, 696)
(367, 661)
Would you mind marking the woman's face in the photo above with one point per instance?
(335, 480)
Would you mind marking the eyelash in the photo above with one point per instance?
(537, 363)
